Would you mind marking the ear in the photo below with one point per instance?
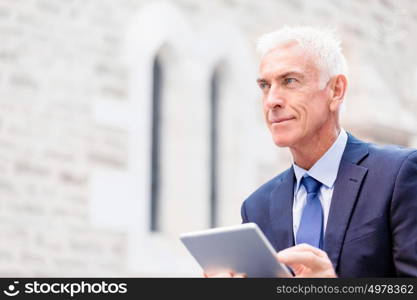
(338, 88)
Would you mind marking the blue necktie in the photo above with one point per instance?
(310, 230)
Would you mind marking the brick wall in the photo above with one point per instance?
(60, 59)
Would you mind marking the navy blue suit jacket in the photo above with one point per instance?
(372, 225)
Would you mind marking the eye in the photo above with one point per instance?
(289, 80)
(263, 85)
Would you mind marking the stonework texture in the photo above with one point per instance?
(75, 120)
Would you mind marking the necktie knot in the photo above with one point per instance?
(311, 184)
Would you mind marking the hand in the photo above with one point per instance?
(225, 275)
(307, 261)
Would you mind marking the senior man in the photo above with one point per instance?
(345, 207)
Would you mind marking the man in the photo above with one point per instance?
(345, 207)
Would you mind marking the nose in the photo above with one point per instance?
(274, 99)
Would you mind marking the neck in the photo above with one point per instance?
(306, 154)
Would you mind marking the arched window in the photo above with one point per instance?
(155, 175)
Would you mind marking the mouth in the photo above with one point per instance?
(281, 120)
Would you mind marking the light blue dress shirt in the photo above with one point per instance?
(324, 170)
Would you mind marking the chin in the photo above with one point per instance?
(282, 141)
(283, 135)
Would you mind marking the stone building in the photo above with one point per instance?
(126, 122)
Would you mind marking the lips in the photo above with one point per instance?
(281, 120)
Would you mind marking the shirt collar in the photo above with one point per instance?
(326, 168)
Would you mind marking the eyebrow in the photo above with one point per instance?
(283, 75)
(261, 80)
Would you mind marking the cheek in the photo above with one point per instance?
(311, 108)
(301, 111)
(265, 111)
(317, 115)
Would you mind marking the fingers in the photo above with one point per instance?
(307, 261)
(305, 248)
(225, 275)
(303, 254)
(305, 258)
(239, 275)
(218, 275)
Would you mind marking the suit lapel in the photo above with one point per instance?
(280, 212)
(349, 180)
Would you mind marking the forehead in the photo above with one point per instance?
(288, 57)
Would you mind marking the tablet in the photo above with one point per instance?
(241, 249)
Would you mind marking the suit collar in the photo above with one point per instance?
(280, 211)
(348, 183)
(355, 150)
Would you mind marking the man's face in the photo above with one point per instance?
(296, 109)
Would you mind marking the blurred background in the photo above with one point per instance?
(126, 122)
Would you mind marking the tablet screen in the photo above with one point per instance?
(240, 249)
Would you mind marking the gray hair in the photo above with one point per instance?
(322, 43)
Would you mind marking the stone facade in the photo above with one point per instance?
(75, 120)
